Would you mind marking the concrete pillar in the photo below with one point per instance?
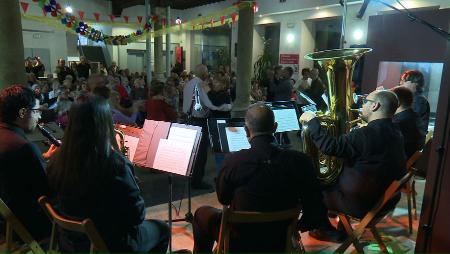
(244, 61)
(12, 68)
(148, 47)
(158, 46)
(168, 56)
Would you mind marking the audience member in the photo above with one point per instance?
(316, 90)
(219, 96)
(83, 68)
(157, 108)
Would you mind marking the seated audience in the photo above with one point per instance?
(408, 121)
(101, 186)
(22, 176)
(219, 95)
(263, 178)
(122, 110)
(157, 108)
(373, 156)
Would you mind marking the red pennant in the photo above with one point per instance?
(212, 22)
(139, 18)
(233, 17)
(222, 20)
(111, 17)
(81, 14)
(126, 18)
(155, 19)
(24, 6)
(164, 21)
(97, 16)
(44, 11)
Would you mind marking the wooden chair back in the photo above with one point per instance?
(85, 226)
(230, 217)
(13, 225)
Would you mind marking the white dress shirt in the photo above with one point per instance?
(206, 103)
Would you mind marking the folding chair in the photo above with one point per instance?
(85, 226)
(230, 217)
(13, 225)
(409, 189)
(370, 219)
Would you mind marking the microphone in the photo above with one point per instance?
(48, 135)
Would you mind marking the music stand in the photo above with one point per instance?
(286, 115)
(170, 148)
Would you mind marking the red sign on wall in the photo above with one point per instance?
(289, 58)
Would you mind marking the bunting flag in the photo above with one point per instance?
(126, 18)
(71, 23)
(233, 17)
(44, 11)
(81, 14)
(139, 18)
(97, 16)
(24, 6)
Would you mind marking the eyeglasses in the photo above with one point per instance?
(365, 100)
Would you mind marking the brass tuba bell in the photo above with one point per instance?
(340, 118)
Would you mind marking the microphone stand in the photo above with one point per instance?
(415, 18)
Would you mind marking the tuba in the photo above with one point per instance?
(340, 118)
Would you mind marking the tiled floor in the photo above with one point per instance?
(393, 228)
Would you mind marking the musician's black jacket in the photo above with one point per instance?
(114, 204)
(247, 184)
(409, 124)
(373, 157)
(23, 179)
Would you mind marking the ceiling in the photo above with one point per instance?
(119, 5)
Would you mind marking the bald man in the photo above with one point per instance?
(263, 178)
(373, 156)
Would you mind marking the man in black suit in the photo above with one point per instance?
(414, 80)
(373, 156)
(22, 176)
(263, 178)
(408, 121)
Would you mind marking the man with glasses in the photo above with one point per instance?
(22, 176)
(373, 156)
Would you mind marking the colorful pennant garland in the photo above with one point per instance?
(79, 26)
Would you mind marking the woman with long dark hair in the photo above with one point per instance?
(94, 180)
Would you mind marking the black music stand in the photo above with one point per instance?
(150, 143)
(189, 216)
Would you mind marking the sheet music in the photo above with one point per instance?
(286, 119)
(132, 143)
(237, 138)
(182, 135)
(172, 156)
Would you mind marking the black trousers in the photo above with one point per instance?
(202, 155)
(206, 226)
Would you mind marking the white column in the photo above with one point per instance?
(12, 68)
(148, 46)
